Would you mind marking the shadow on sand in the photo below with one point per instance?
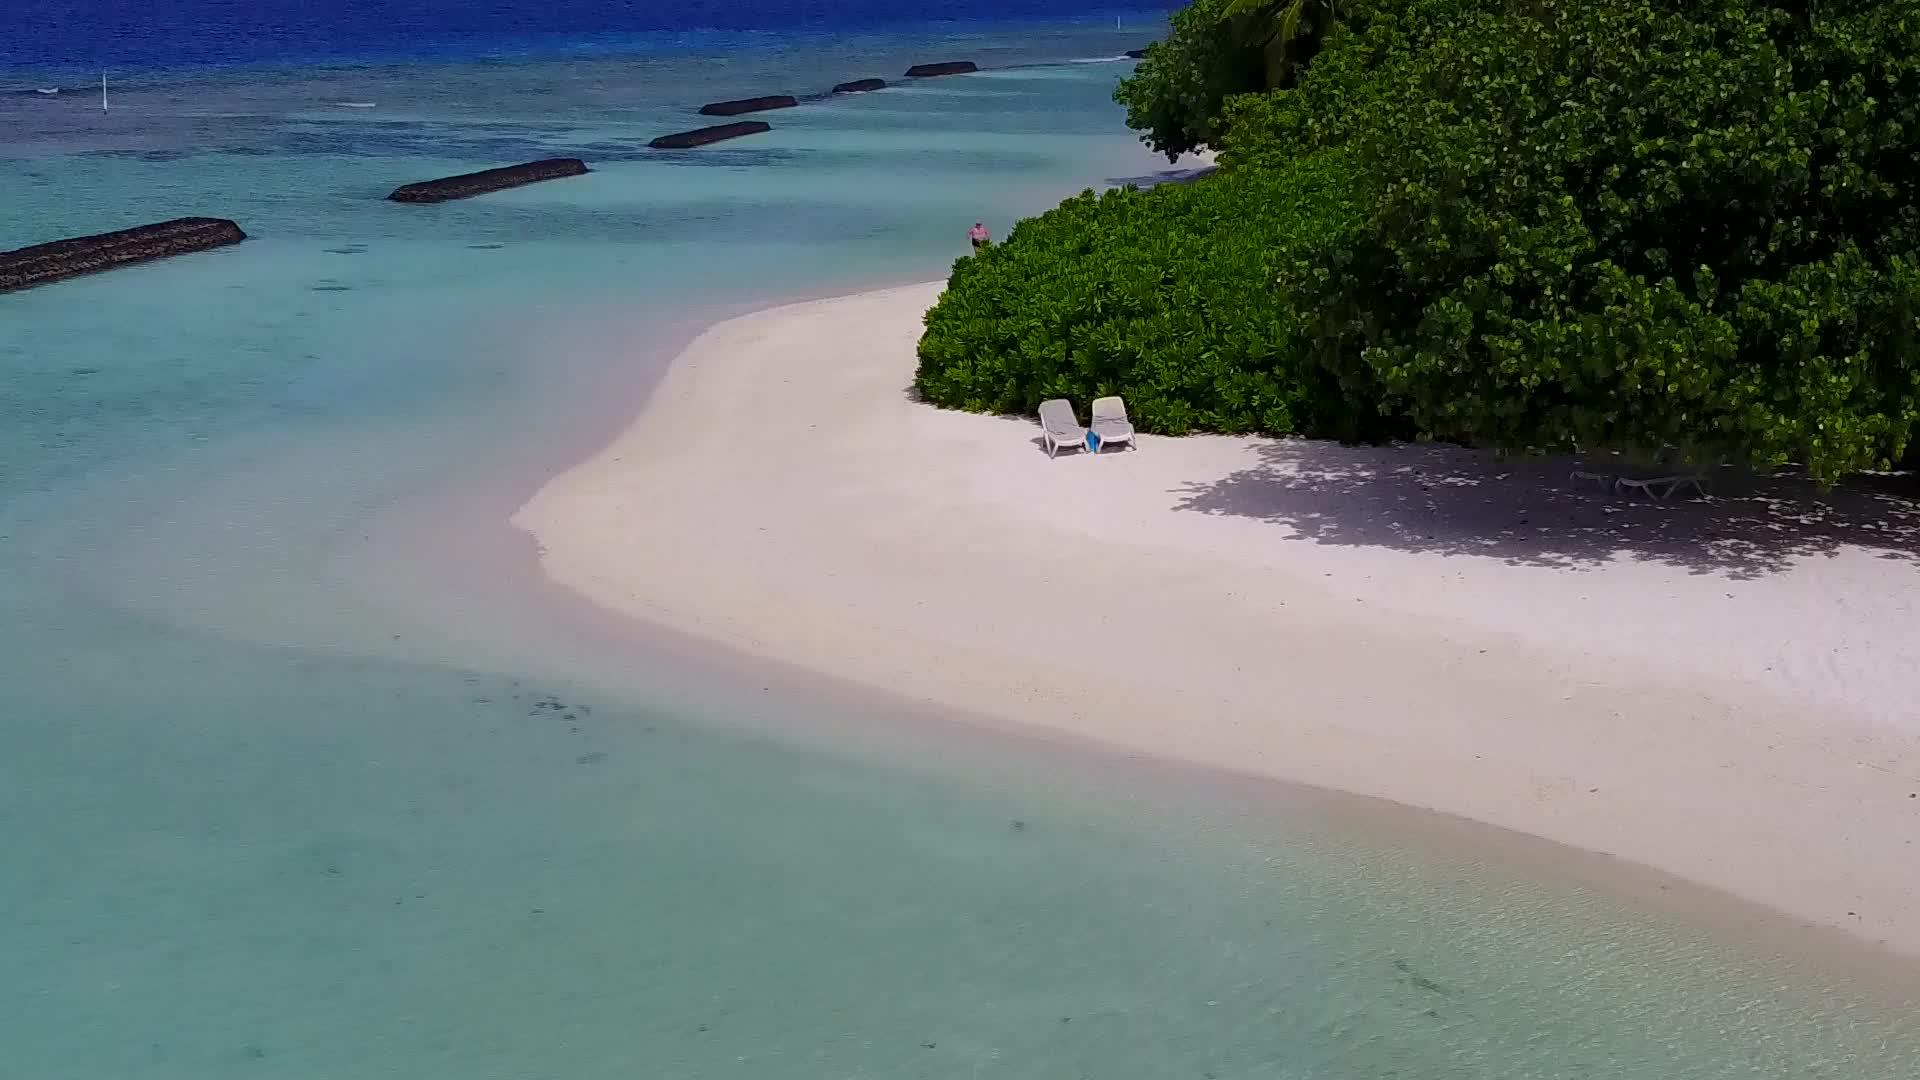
(1529, 512)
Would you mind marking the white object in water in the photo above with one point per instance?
(46, 90)
(354, 104)
(103, 91)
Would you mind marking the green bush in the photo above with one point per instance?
(1175, 94)
(1618, 223)
(1218, 49)
(1154, 294)
(1646, 225)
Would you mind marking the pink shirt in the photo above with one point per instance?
(977, 234)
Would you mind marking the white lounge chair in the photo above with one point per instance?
(1110, 423)
(1660, 488)
(1059, 427)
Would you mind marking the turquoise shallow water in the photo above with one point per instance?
(253, 824)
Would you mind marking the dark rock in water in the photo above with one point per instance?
(468, 185)
(686, 140)
(950, 67)
(1136, 54)
(61, 259)
(1416, 979)
(860, 86)
(747, 105)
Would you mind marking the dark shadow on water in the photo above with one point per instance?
(1531, 512)
(1168, 176)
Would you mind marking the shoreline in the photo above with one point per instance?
(829, 555)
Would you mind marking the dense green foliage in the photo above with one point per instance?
(1560, 224)
(1631, 224)
(1175, 95)
(1147, 293)
(1288, 33)
(1217, 49)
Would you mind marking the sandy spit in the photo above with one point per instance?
(1726, 691)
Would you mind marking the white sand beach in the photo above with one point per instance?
(1725, 690)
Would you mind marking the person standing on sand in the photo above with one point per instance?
(977, 236)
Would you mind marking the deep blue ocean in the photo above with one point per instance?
(133, 35)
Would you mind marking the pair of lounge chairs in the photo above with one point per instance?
(1061, 429)
(1657, 488)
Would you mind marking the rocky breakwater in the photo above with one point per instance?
(687, 140)
(42, 264)
(467, 185)
(949, 67)
(747, 105)
(860, 86)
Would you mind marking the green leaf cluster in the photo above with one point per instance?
(1215, 50)
(1679, 226)
(1176, 93)
(1155, 294)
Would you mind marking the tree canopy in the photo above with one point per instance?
(1661, 226)
(1155, 294)
(1217, 49)
(1176, 93)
